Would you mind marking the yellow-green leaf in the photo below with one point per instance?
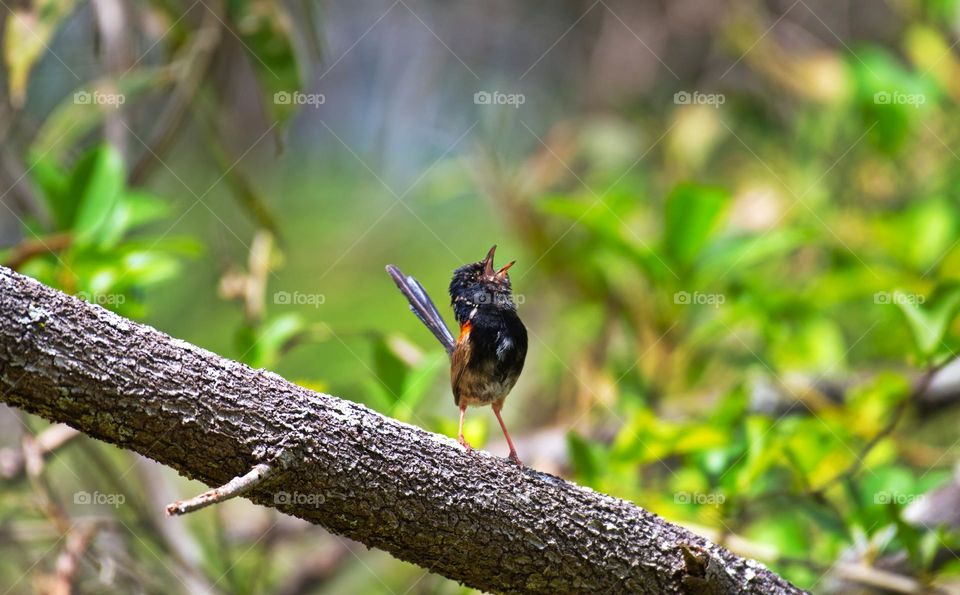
(26, 38)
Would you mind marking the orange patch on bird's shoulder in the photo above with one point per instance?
(464, 331)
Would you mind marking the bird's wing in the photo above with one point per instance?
(459, 360)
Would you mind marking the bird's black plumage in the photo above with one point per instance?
(493, 340)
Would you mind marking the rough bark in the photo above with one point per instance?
(469, 516)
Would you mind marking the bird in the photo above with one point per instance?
(488, 355)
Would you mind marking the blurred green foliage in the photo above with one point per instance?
(91, 205)
(694, 278)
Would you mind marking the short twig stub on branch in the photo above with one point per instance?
(231, 489)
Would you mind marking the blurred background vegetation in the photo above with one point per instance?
(735, 225)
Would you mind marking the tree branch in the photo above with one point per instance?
(27, 249)
(469, 516)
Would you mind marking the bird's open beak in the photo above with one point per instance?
(488, 265)
(488, 262)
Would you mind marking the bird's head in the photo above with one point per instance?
(479, 285)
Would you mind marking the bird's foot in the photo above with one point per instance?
(463, 442)
(515, 458)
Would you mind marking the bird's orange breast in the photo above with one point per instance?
(464, 332)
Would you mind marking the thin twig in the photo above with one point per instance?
(864, 574)
(27, 249)
(233, 488)
(12, 460)
(77, 542)
(854, 468)
(190, 71)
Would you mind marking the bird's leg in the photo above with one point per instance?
(497, 406)
(463, 441)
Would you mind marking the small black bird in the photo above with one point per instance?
(486, 359)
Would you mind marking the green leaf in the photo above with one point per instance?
(930, 231)
(146, 267)
(735, 255)
(133, 209)
(377, 396)
(760, 455)
(588, 213)
(82, 112)
(180, 245)
(97, 183)
(786, 531)
(390, 369)
(693, 214)
(929, 546)
(929, 322)
(892, 99)
(699, 437)
(274, 335)
(26, 38)
(419, 380)
(585, 458)
(279, 62)
(870, 405)
(604, 225)
(143, 208)
(54, 184)
(814, 344)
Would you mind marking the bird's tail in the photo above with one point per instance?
(422, 306)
